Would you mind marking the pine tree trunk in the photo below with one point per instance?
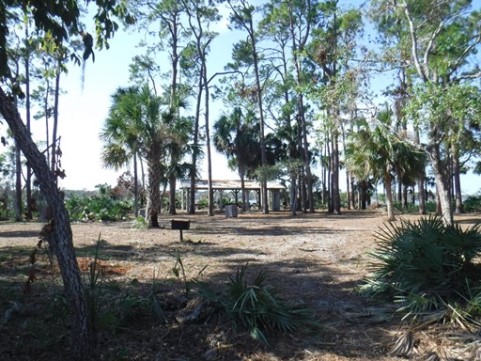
(172, 198)
(422, 195)
(18, 184)
(28, 180)
(293, 194)
(457, 182)
(336, 200)
(60, 231)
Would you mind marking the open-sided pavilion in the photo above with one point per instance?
(222, 188)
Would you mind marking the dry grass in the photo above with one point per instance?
(314, 259)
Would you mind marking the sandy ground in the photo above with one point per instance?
(315, 259)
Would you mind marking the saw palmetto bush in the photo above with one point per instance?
(256, 307)
(428, 267)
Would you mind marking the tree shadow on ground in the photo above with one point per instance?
(20, 234)
(128, 330)
(138, 337)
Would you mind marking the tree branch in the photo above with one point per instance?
(414, 45)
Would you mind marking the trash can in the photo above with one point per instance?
(230, 211)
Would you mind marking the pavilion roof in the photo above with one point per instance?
(229, 184)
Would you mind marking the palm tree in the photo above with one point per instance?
(378, 153)
(120, 136)
(235, 136)
(135, 126)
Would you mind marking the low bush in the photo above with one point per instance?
(472, 204)
(101, 205)
(428, 267)
(257, 308)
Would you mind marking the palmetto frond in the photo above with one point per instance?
(115, 156)
(427, 266)
(257, 308)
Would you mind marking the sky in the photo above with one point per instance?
(83, 111)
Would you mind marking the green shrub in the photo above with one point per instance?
(426, 265)
(203, 203)
(256, 308)
(472, 204)
(414, 208)
(101, 205)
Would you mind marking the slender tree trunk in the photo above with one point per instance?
(350, 203)
(210, 189)
(303, 190)
(172, 195)
(59, 230)
(243, 190)
(399, 190)
(136, 186)
(250, 29)
(405, 196)
(421, 195)
(457, 182)
(335, 196)
(154, 173)
(330, 205)
(421, 179)
(54, 154)
(302, 195)
(195, 151)
(389, 197)
(299, 41)
(307, 163)
(18, 184)
(363, 194)
(325, 170)
(28, 181)
(348, 182)
(293, 194)
(442, 186)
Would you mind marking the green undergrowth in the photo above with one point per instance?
(124, 313)
(429, 269)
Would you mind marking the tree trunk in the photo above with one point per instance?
(28, 180)
(348, 181)
(307, 160)
(136, 186)
(457, 182)
(172, 198)
(250, 29)
(18, 184)
(442, 186)
(154, 202)
(405, 197)
(210, 190)
(54, 154)
(421, 179)
(422, 195)
(389, 197)
(362, 194)
(335, 196)
(330, 205)
(350, 203)
(293, 194)
(195, 151)
(60, 231)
